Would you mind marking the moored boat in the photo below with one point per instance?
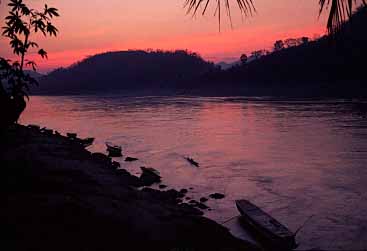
(268, 230)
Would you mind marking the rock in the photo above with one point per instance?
(197, 204)
(116, 164)
(128, 179)
(130, 159)
(71, 135)
(101, 158)
(34, 127)
(203, 199)
(172, 193)
(189, 209)
(162, 186)
(114, 154)
(184, 191)
(114, 151)
(201, 206)
(168, 196)
(188, 198)
(181, 195)
(149, 176)
(85, 142)
(217, 196)
(47, 132)
(191, 188)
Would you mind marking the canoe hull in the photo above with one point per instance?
(265, 228)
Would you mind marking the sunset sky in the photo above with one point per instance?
(95, 26)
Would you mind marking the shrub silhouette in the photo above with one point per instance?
(20, 24)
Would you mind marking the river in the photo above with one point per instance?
(293, 158)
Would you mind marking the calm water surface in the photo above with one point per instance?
(292, 158)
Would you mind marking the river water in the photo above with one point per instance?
(293, 158)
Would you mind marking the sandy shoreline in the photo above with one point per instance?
(59, 196)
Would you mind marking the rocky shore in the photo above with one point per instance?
(56, 195)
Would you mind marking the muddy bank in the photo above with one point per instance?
(58, 196)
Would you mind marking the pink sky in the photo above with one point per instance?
(95, 26)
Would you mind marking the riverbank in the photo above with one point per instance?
(59, 196)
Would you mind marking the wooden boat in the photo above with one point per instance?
(192, 162)
(268, 230)
(113, 150)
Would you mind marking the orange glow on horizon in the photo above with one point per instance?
(226, 46)
(123, 25)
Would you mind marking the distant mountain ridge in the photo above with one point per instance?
(34, 74)
(126, 70)
(227, 65)
(329, 66)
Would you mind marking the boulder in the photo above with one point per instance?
(128, 179)
(101, 159)
(130, 159)
(184, 191)
(149, 176)
(197, 204)
(217, 196)
(116, 164)
(203, 199)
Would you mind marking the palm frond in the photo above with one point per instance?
(339, 10)
(246, 7)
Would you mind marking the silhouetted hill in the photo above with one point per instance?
(126, 70)
(34, 74)
(328, 66)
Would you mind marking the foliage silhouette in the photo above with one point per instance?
(243, 59)
(340, 10)
(323, 67)
(278, 45)
(20, 24)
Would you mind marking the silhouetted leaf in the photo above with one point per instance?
(25, 10)
(52, 30)
(246, 7)
(42, 53)
(33, 44)
(51, 12)
(340, 10)
(32, 64)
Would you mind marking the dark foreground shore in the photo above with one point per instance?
(58, 196)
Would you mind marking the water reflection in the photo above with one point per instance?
(294, 158)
